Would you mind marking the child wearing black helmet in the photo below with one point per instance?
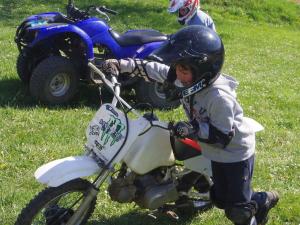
(190, 67)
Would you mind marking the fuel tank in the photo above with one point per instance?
(149, 151)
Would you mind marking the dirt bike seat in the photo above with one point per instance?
(138, 37)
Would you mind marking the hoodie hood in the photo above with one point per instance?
(225, 83)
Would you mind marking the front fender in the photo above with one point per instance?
(47, 31)
(63, 170)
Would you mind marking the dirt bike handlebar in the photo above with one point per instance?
(113, 85)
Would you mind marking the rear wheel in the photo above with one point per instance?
(55, 205)
(197, 199)
(54, 81)
(151, 92)
(192, 206)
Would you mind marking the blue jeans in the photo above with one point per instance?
(232, 182)
(232, 190)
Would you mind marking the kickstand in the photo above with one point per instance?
(167, 211)
(171, 214)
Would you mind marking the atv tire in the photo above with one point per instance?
(150, 92)
(54, 80)
(23, 68)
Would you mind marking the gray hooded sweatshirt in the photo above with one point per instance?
(216, 105)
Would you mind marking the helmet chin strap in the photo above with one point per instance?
(195, 88)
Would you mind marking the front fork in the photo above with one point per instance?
(91, 194)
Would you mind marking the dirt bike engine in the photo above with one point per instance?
(148, 191)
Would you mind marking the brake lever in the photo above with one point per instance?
(103, 8)
(102, 13)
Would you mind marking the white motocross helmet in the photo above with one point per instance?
(186, 9)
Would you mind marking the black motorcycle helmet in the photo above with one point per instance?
(197, 47)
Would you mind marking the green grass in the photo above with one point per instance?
(276, 12)
(262, 41)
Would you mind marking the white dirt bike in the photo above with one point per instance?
(139, 159)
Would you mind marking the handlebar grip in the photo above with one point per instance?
(104, 9)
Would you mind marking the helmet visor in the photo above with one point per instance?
(174, 5)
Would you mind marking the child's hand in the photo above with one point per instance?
(184, 129)
(110, 66)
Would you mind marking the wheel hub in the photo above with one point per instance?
(60, 84)
(56, 215)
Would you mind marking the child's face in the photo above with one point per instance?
(184, 75)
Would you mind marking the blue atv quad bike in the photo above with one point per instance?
(55, 49)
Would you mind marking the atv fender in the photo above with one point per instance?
(47, 31)
(63, 170)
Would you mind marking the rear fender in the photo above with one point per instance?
(146, 49)
(199, 164)
(48, 31)
(253, 124)
(63, 170)
(104, 38)
(202, 165)
(133, 51)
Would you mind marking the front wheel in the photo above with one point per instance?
(23, 66)
(54, 81)
(55, 205)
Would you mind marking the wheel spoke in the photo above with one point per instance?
(55, 206)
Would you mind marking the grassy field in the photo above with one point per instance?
(262, 42)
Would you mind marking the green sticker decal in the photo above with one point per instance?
(111, 130)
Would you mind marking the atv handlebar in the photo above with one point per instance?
(78, 14)
(104, 9)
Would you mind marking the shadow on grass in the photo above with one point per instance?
(13, 93)
(138, 218)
